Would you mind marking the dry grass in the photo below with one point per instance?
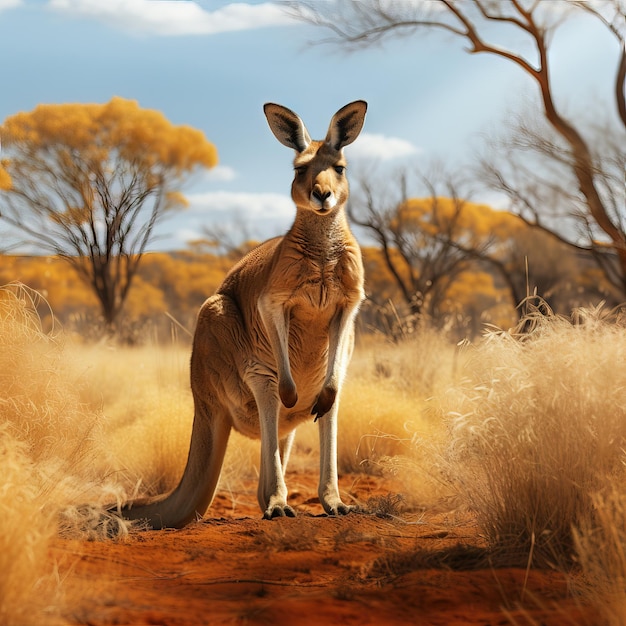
(28, 593)
(536, 428)
(145, 397)
(47, 441)
(527, 433)
(601, 552)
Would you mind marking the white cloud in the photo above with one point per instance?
(270, 205)
(174, 17)
(263, 215)
(9, 4)
(220, 174)
(381, 147)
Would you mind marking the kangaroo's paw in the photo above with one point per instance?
(288, 393)
(324, 402)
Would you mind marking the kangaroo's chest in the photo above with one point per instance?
(302, 295)
(317, 289)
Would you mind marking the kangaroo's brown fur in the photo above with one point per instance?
(271, 347)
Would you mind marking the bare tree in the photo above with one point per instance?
(597, 205)
(231, 240)
(534, 168)
(428, 241)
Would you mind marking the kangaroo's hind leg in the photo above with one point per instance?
(284, 447)
(272, 491)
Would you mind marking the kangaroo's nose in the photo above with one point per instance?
(321, 196)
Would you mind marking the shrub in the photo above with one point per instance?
(537, 427)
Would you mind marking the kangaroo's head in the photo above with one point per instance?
(320, 183)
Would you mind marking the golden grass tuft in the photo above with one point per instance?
(31, 405)
(536, 428)
(52, 455)
(28, 593)
(42, 405)
(144, 395)
(601, 553)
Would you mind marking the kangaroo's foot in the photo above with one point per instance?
(278, 509)
(333, 505)
(340, 509)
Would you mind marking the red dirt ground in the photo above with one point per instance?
(234, 568)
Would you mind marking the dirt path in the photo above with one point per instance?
(361, 569)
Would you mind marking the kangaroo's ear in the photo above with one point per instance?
(346, 124)
(287, 127)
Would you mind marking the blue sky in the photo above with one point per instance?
(213, 64)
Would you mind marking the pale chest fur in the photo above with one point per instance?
(317, 290)
(309, 282)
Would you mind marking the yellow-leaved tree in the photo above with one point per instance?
(89, 182)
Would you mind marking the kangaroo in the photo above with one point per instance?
(271, 347)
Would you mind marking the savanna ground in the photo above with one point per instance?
(489, 476)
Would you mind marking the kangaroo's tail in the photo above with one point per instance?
(195, 491)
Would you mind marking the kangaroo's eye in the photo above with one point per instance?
(340, 169)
